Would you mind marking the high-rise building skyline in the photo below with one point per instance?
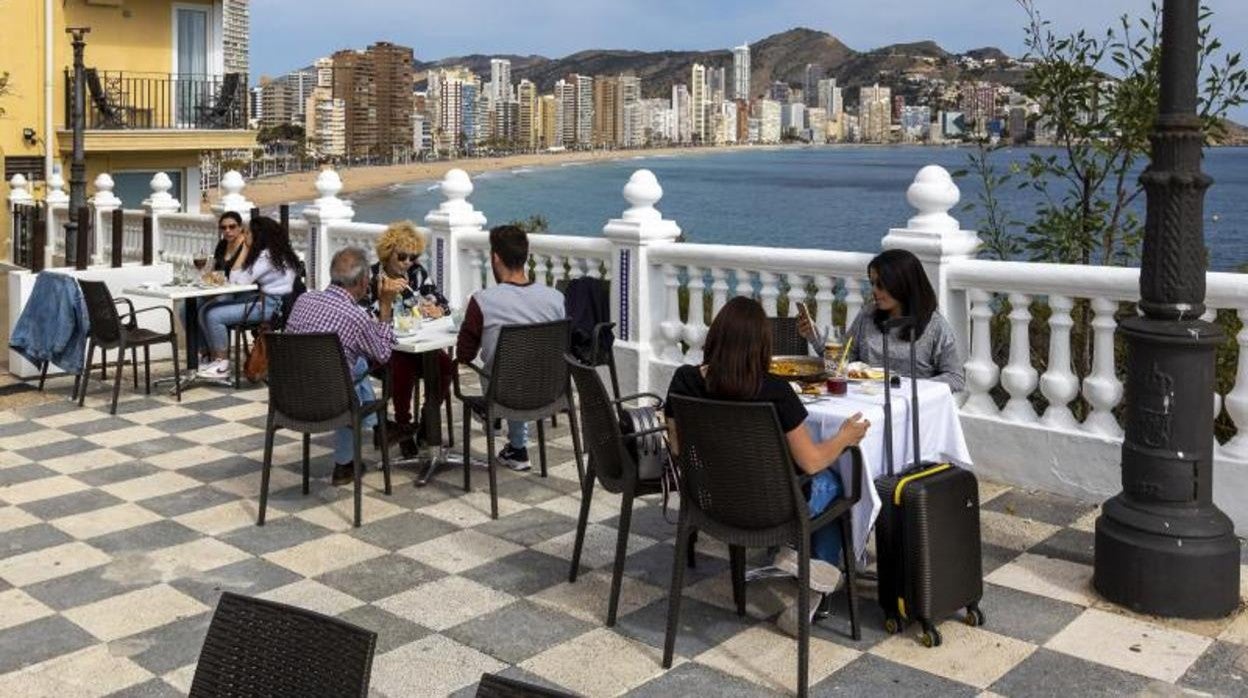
(606, 110)
(565, 114)
(392, 78)
(236, 36)
(584, 109)
(810, 84)
(530, 119)
(355, 86)
(829, 98)
(631, 118)
(548, 133)
(682, 114)
(698, 101)
(741, 72)
(500, 80)
(874, 113)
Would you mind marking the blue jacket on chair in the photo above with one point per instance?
(54, 325)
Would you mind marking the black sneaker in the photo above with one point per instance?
(515, 458)
(344, 473)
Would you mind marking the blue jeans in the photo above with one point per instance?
(517, 433)
(825, 543)
(215, 317)
(344, 444)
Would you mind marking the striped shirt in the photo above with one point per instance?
(334, 310)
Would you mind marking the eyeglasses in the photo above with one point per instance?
(406, 256)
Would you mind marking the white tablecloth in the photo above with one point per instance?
(940, 437)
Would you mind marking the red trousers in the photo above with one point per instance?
(405, 370)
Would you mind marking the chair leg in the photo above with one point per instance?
(450, 424)
(43, 375)
(307, 467)
(621, 550)
(467, 427)
(693, 553)
(385, 451)
(357, 462)
(134, 365)
(177, 370)
(554, 421)
(587, 494)
(103, 364)
(80, 386)
(683, 533)
(851, 573)
(803, 615)
(736, 558)
(493, 465)
(121, 371)
(269, 430)
(147, 370)
(577, 449)
(238, 350)
(541, 446)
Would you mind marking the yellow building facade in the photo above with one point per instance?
(161, 94)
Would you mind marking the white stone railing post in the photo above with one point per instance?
(58, 205)
(19, 195)
(1019, 377)
(158, 205)
(637, 286)
(1237, 400)
(232, 183)
(1101, 388)
(102, 206)
(324, 212)
(696, 327)
(981, 370)
(936, 238)
(447, 223)
(1059, 383)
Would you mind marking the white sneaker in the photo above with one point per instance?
(787, 622)
(825, 577)
(217, 370)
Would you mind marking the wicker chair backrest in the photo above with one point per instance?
(785, 339)
(529, 371)
(308, 377)
(601, 427)
(101, 312)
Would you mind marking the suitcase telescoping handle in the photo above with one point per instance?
(889, 326)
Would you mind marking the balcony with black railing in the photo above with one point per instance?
(124, 100)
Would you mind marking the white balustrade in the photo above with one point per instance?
(853, 299)
(1101, 388)
(695, 326)
(797, 291)
(769, 292)
(671, 326)
(1059, 383)
(1237, 399)
(719, 289)
(745, 284)
(981, 370)
(1019, 377)
(824, 297)
(541, 266)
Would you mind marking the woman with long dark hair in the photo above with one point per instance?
(900, 288)
(737, 355)
(272, 265)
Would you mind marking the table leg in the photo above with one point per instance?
(192, 333)
(431, 423)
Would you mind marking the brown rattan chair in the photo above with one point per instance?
(109, 332)
(611, 463)
(311, 391)
(528, 381)
(495, 686)
(257, 649)
(739, 484)
(785, 339)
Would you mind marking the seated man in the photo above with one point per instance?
(364, 339)
(514, 300)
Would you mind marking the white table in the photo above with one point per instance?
(188, 294)
(940, 437)
(433, 336)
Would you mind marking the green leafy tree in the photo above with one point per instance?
(536, 223)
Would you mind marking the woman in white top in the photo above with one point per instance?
(272, 265)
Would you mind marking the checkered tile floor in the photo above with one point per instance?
(119, 533)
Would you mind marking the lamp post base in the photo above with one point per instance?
(1165, 561)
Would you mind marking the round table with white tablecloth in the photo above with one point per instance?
(940, 436)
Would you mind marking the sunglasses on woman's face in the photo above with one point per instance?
(406, 256)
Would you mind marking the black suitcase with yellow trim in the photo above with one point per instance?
(927, 537)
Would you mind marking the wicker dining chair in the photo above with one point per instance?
(529, 382)
(495, 686)
(108, 331)
(610, 463)
(785, 339)
(311, 391)
(257, 649)
(739, 484)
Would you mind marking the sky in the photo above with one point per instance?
(288, 34)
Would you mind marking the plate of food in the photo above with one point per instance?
(800, 369)
(861, 371)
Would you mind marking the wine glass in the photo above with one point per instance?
(200, 261)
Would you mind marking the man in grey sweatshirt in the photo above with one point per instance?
(513, 300)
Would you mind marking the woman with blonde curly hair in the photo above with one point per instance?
(398, 270)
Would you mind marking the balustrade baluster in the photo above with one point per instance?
(1059, 383)
(1237, 399)
(719, 289)
(541, 265)
(769, 291)
(575, 270)
(1102, 389)
(474, 260)
(695, 326)
(853, 300)
(797, 291)
(558, 269)
(981, 370)
(824, 298)
(594, 267)
(672, 327)
(1211, 315)
(1019, 378)
(745, 285)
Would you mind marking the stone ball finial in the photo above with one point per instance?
(232, 183)
(328, 183)
(18, 189)
(18, 181)
(642, 192)
(933, 193)
(456, 185)
(56, 187)
(104, 182)
(161, 184)
(104, 195)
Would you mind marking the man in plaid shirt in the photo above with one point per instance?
(365, 339)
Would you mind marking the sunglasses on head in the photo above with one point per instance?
(406, 256)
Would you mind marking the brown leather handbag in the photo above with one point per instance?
(256, 368)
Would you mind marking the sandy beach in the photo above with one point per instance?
(299, 186)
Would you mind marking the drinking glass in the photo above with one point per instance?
(833, 348)
(200, 261)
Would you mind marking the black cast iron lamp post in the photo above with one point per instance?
(1162, 546)
(77, 164)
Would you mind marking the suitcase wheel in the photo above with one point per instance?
(930, 636)
(974, 617)
(892, 626)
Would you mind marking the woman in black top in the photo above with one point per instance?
(231, 247)
(737, 358)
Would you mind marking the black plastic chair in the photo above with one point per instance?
(311, 391)
(739, 484)
(611, 463)
(257, 649)
(109, 332)
(529, 381)
(785, 339)
(495, 686)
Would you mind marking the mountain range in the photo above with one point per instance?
(782, 56)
